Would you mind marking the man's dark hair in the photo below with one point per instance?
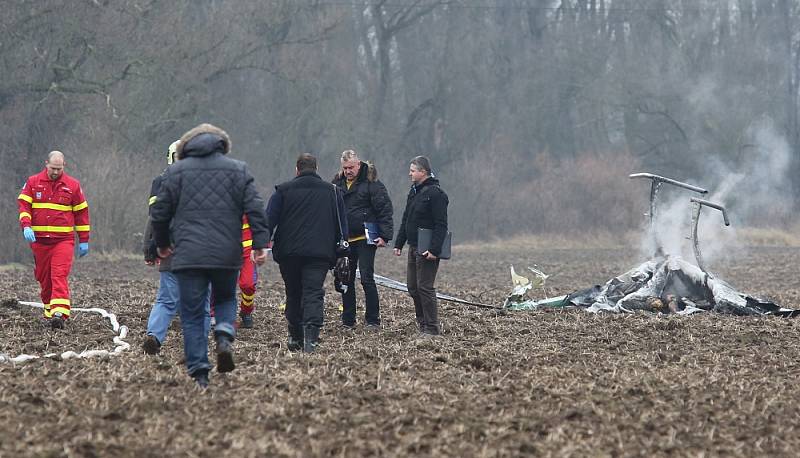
(422, 163)
(306, 162)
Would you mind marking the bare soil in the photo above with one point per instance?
(544, 383)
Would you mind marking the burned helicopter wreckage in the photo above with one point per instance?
(664, 284)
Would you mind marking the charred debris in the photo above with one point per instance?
(664, 284)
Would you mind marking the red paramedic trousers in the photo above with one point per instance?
(53, 262)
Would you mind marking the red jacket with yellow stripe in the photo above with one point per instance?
(54, 209)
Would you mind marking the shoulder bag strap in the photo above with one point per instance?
(338, 218)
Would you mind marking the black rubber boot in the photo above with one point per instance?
(151, 345)
(201, 378)
(57, 321)
(246, 320)
(295, 338)
(224, 352)
(310, 339)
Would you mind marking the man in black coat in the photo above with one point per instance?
(303, 214)
(369, 218)
(203, 198)
(426, 207)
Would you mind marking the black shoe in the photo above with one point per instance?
(310, 339)
(372, 327)
(295, 341)
(294, 345)
(57, 322)
(224, 353)
(201, 378)
(247, 320)
(151, 345)
(426, 336)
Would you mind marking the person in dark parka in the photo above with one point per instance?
(167, 301)
(302, 213)
(426, 207)
(202, 199)
(368, 204)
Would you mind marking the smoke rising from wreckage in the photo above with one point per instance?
(665, 284)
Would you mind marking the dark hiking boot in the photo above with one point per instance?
(57, 321)
(151, 345)
(426, 336)
(310, 339)
(247, 320)
(224, 353)
(295, 342)
(201, 378)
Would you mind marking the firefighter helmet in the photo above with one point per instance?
(173, 148)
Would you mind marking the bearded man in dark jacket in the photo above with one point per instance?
(303, 214)
(426, 207)
(369, 219)
(203, 198)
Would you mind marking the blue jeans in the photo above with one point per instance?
(193, 292)
(166, 307)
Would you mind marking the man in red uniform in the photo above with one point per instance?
(52, 209)
(248, 278)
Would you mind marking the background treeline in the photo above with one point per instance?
(532, 111)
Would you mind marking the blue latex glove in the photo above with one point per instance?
(28, 234)
(83, 249)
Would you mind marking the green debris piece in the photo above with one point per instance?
(518, 300)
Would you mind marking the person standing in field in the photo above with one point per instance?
(369, 219)
(52, 210)
(426, 207)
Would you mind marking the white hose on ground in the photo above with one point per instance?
(119, 339)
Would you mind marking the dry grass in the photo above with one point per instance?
(760, 236)
(590, 240)
(558, 383)
(13, 266)
(600, 239)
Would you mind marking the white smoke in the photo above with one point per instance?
(754, 192)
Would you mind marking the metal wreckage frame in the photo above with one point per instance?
(664, 284)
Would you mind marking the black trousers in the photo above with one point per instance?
(304, 278)
(362, 256)
(421, 275)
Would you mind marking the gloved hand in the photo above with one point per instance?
(29, 235)
(83, 249)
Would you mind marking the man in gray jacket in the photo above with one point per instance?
(197, 219)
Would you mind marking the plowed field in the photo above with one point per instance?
(544, 383)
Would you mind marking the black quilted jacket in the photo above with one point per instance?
(367, 201)
(204, 195)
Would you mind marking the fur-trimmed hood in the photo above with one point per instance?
(203, 140)
(367, 172)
